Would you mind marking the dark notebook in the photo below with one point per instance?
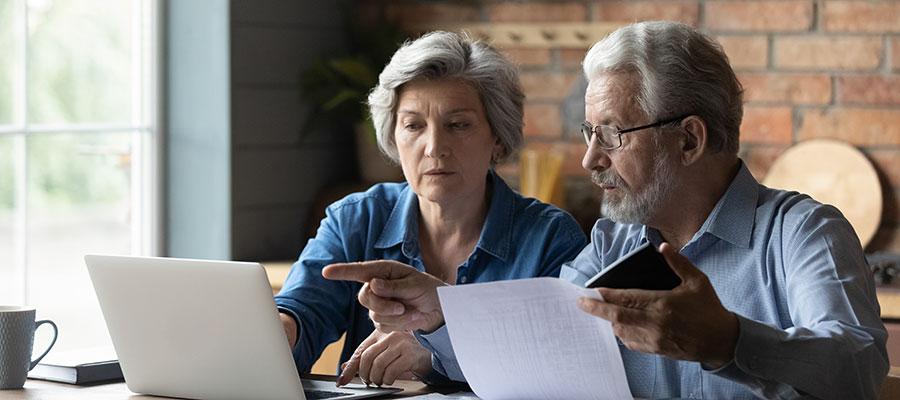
(79, 367)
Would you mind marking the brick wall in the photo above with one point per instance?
(810, 68)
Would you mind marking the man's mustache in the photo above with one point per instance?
(606, 178)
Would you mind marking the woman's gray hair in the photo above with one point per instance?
(680, 71)
(446, 55)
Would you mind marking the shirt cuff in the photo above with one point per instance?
(439, 380)
(443, 358)
(751, 366)
(754, 340)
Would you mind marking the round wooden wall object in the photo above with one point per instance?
(836, 173)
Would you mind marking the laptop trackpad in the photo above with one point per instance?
(317, 389)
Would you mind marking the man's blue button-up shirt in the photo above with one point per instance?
(521, 238)
(793, 272)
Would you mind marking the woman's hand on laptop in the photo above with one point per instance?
(385, 357)
(399, 297)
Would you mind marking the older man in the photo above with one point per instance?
(776, 300)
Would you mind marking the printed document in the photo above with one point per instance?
(527, 339)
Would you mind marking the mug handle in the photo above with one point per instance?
(55, 335)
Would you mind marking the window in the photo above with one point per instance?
(78, 148)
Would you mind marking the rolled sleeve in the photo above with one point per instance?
(317, 305)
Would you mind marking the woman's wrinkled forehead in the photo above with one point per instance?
(451, 91)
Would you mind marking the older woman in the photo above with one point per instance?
(447, 108)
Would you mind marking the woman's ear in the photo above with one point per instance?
(693, 140)
(497, 151)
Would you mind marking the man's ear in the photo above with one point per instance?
(693, 140)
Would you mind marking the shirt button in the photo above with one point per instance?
(463, 279)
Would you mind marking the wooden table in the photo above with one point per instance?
(44, 390)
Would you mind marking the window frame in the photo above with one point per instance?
(144, 127)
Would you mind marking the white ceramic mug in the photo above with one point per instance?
(17, 326)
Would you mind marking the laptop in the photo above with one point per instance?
(202, 330)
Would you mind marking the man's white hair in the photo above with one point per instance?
(680, 71)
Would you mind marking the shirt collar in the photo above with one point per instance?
(403, 225)
(731, 219)
(498, 225)
(733, 216)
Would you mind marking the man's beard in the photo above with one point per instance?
(636, 208)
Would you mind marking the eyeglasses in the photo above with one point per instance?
(609, 137)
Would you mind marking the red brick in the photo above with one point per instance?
(527, 57)
(746, 52)
(630, 11)
(422, 15)
(895, 53)
(816, 52)
(548, 85)
(862, 127)
(757, 16)
(861, 16)
(572, 58)
(760, 158)
(786, 88)
(887, 163)
(537, 12)
(771, 125)
(868, 89)
(542, 120)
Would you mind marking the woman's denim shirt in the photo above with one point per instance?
(521, 238)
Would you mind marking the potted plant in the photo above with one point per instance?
(340, 85)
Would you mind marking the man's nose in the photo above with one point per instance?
(595, 158)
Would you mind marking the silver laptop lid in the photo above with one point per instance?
(195, 329)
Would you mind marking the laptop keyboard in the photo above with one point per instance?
(323, 394)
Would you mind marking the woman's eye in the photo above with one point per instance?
(459, 125)
(412, 126)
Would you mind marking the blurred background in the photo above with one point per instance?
(221, 129)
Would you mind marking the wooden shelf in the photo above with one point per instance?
(539, 35)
